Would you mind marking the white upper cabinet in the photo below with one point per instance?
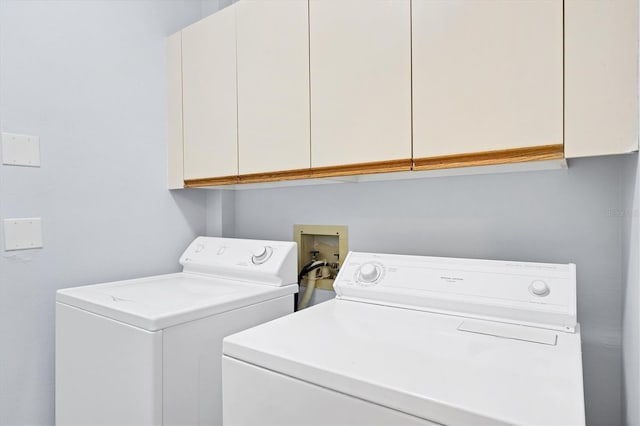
(360, 55)
(601, 77)
(273, 85)
(266, 90)
(209, 96)
(487, 75)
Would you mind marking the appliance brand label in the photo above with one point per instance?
(452, 280)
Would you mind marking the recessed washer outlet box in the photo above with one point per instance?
(327, 242)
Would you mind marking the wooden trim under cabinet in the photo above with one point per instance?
(312, 173)
(362, 168)
(275, 176)
(214, 181)
(488, 158)
(331, 171)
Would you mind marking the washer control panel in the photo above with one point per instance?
(251, 260)
(521, 292)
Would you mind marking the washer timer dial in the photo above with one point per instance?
(369, 273)
(261, 255)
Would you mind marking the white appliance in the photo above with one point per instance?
(147, 351)
(416, 340)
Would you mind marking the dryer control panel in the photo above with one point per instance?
(536, 294)
(259, 261)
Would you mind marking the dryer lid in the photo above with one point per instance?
(536, 294)
(443, 368)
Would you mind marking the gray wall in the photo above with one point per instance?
(88, 78)
(631, 282)
(553, 216)
(212, 6)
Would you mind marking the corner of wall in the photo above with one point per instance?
(221, 211)
(631, 295)
(208, 7)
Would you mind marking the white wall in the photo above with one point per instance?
(631, 296)
(554, 216)
(88, 78)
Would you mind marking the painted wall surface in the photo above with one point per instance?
(553, 216)
(88, 78)
(209, 6)
(631, 296)
(222, 223)
(212, 6)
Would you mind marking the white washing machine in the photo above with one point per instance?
(148, 351)
(416, 340)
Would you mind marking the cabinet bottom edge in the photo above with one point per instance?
(490, 158)
(484, 158)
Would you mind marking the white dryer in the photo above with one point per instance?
(416, 340)
(147, 351)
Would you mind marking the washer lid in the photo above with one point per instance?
(536, 294)
(423, 364)
(162, 301)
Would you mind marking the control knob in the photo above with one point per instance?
(369, 273)
(539, 288)
(261, 255)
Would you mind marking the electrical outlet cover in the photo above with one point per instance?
(20, 150)
(22, 233)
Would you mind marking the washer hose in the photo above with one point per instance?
(309, 271)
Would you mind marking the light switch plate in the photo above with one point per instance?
(20, 150)
(22, 233)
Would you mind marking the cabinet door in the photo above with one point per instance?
(601, 77)
(487, 75)
(209, 97)
(360, 81)
(273, 85)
